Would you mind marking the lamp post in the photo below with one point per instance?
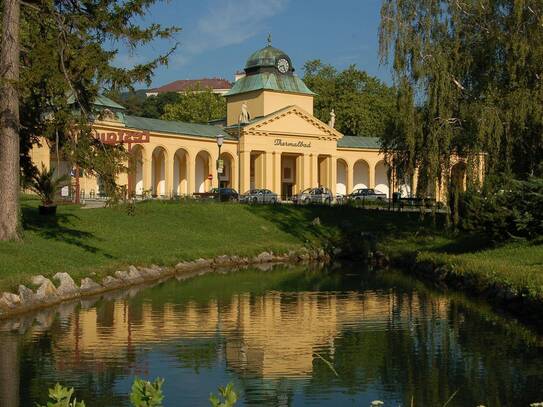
(220, 140)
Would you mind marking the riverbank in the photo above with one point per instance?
(100, 241)
(97, 242)
(509, 275)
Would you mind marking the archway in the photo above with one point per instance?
(202, 172)
(227, 177)
(158, 167)
(136, 170)
(180, 173)
(381, 178)
(361, 175)
(341, 184)
(458, 177)
(404, 186)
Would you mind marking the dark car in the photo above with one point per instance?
(225, 194)
(319, 195)
(367, 194)
(259, 196)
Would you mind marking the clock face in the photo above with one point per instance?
(283, 65)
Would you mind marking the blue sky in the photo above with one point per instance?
(218, 35)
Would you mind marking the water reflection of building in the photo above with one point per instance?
(269, 336)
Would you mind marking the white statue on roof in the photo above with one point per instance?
(107, 115)
(244, 116)
(332, 121)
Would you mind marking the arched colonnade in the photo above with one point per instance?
(163, 172)
(361, 173)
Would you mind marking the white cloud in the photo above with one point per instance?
(229, 22)
(128, 59)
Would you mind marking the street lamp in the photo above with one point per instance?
(220, 140)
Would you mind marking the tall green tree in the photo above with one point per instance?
(62, 52)
(362, 103)
(469, 77)
(196, 106)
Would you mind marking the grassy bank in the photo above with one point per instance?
(85, 241)
(507, 270)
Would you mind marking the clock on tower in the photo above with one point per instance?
(283, 65)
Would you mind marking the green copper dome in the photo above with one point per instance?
(267, 56)
(269, 69)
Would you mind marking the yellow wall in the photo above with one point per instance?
(255, 106)
(292, 138)
(274, 101)
(261, 103)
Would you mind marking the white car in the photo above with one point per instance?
(256, 196)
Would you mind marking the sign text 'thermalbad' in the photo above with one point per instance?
(283, 143)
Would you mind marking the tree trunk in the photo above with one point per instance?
(9, 121)
(9, 370)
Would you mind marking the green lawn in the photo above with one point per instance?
(84, 241)
(518, 265)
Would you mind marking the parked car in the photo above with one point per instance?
(367, 194)
(319, 195)
(226, 194)
(259, 196)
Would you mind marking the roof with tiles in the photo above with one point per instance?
(175, 128)
(269, 81)
(99, 101)
(184, 85)
(373, 143)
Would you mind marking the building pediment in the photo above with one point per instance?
(295, 121)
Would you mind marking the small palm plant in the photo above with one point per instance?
(45, 185)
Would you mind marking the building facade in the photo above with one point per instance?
(272, 140)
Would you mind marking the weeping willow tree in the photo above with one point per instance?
(469, 78)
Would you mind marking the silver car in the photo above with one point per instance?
(259, 196)
(319, 195)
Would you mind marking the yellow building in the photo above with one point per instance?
(272, 140)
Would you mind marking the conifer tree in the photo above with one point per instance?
(67, 48)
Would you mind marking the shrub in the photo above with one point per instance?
(147, 394)
(228, 395)
(515, 213)
(62, 397)
(143, 394)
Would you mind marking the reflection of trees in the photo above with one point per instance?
(267, 393)
(197, 354)
(42, 364)
(426, 358)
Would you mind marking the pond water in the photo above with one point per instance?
(274, 334)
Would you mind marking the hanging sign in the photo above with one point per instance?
(220, 166)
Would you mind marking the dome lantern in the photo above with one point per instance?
(269, 59)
